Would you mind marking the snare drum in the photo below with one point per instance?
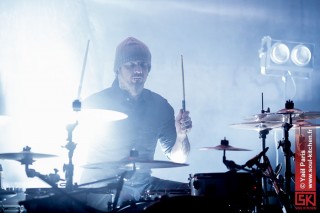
(238, 190)
(9, 199)
(158, 194)
(135, 207)
(32, 193)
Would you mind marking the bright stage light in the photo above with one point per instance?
(282, 58)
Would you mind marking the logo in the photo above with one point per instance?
(305, 200)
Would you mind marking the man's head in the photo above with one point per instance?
(132, 65)
(131, 49)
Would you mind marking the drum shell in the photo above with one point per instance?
(11, 204)
(240, 190)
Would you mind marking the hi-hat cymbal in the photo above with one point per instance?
(224, 147)
(258, 125)
(21, 155)
(25, 156)
(130, 163)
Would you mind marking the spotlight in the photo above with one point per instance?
(282, 58)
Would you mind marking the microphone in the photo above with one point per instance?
(256, 158)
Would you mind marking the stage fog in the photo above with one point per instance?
(54, 52)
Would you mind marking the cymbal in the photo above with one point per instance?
(303, 123)
(267, 117)
(290, 111)
(138, 163)
(308, 115)
(101, 115)
(20, 156)
(258, 125)
(224, 147)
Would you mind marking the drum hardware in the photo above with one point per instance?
(286, 144)
(283, 197)
(70, 146)
(263, 123)
(26, 158)
(263, 170)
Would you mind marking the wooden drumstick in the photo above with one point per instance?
(183, 88)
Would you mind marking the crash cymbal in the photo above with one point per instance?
(100, 115)
(224, 147)
(267, 117)
(128, 164)
(258, 125)
(308, 115)
(303, 123)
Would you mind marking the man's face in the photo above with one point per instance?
(132, 75)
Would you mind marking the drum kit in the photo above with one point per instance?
(243, 191)
(259, 166)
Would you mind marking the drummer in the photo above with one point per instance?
(151, 119)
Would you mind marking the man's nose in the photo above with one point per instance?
(137, 68)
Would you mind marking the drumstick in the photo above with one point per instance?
(76, 104)
(183, 89)
(83, 69)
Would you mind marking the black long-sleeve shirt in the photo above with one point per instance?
(150, 120)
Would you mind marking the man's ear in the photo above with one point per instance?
(117, 71)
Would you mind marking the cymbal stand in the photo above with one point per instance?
(53, 183)
(133, 154)
(286, 146)
(69, 168)
(262, 135)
